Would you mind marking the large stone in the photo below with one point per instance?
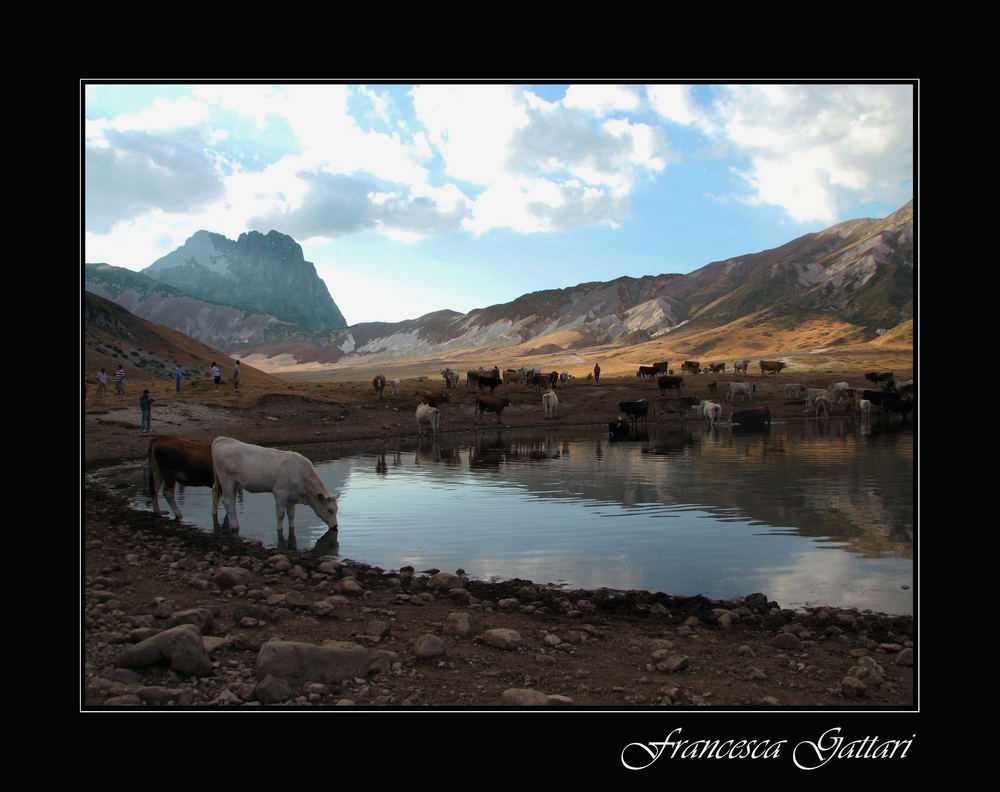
(182, 646)
(332, 661)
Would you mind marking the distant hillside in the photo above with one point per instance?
(264, 274)
(849, 284)
(148, 351)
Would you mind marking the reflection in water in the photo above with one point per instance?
(808, 512)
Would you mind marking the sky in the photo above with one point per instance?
(412, 198)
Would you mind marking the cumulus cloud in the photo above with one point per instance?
(133, 172)
(815, 149)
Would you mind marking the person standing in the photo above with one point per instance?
(120, 381)
(597, 372)
(145, 408)
(102, 383)
(236, 376)
(177, 376)
(216, 376)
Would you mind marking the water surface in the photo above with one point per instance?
(808, 513)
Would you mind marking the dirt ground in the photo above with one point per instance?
(572, 650)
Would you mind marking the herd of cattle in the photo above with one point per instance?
(885, 396)
(227, 464)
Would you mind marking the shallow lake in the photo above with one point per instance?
(809, 513)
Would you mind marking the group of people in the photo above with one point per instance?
(145, 400)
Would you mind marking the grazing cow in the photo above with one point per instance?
(550, 403)
(288, 475)
(491, 404)
(690, 366)
(864, 407)
(752, 417)
(795, 391)
(717, 368)
(875, 377)
(712, 412)
(379, 384)
(742, 389)
(740, 365)
(635, 410)
(670, 383)
(433, 398)
(681, 405)
(617, 429)
(174, 460)
(427, 416)
(646, 371)
(771, 366)
(394, 384)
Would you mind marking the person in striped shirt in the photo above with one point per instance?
(120, 381)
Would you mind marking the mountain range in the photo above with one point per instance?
(850, 283)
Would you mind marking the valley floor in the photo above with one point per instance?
(575, 650)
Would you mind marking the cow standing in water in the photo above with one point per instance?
(173, 460)
(288, 475)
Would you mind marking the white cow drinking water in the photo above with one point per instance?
(289, 476)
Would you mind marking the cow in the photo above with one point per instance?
(893, 403)
(743, 389)
(838, 386)
(451, 378)
(635, 410)
(712, 412)
(288, 475)
(541, 380)
(690, 367)
(752, 417)
(491, 404)
(740, 365)
(432, 398)
(617, 429)
(513, 377)
(905, 389)
(717, 368)
(820, 406)
(394, 384)
(771, 366)
(670, 383)
(550, 403)
(379, 384)
(662, 367)
(564, 377)
(864, 407)
(795, 391)
(646, 371)
(876, 397)
(681, 405)
(427, 416)
(484, 381)
(875, 377)
(173, 460)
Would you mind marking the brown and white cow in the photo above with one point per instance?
(379, 384)
(174, 460)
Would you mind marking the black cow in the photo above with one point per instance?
(618, 429)
(752, 417)
(487, 382)
(635, 410)
(646, 371)
(691, 366)
(670, 383)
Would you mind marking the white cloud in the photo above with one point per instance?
(814, 150)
